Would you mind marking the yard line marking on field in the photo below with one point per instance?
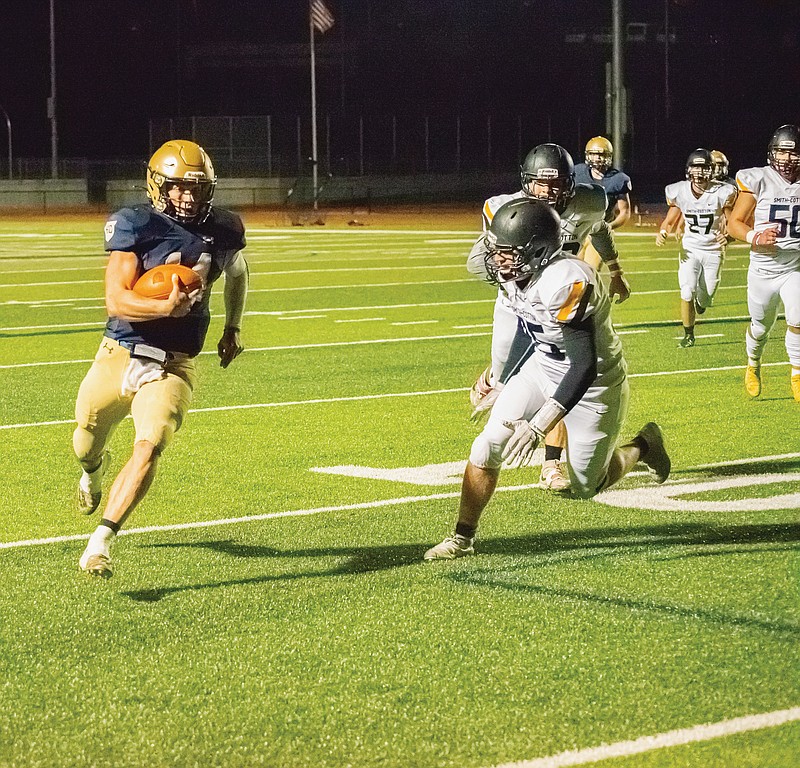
(475, 325)
(697, 733)
(301, 317)
(248, 406)
(360, 320)
(50, 235)
(293, 289)
(704, 336)
(639, 330)
(416, 322)
(269, 273)
(257, 518)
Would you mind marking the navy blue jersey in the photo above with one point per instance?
(158, 239)
(616, 184)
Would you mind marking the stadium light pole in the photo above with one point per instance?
(618, 106)
(51, 102)
(8, 127)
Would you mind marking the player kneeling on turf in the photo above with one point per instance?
(577, 372)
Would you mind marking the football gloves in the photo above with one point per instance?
(521, 445)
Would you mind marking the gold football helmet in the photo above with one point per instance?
(182, 165)
(720, 164)
(599, 153)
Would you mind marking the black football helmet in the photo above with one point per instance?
(523, 238)
(548, 174)
(785, 140)
(700, 168)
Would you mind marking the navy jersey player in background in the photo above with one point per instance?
(599, 157)
(145, 364)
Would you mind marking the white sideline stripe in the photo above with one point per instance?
(256, 518)
(676, 738)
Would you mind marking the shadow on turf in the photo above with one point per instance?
(692, 539)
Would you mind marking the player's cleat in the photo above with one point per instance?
(796, 387)
(88, 501)
(98, 564)
(686, 341)
(553, 477)
(698, 307)
(752, 380)
(656, 456)
(451, 548)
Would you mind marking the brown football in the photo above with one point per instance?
(156, 283)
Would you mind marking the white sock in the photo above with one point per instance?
(92, 482)
(793, 350)
(99, 543)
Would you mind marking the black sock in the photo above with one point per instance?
(688, 330)
(467, 531)
(553, 452)
(110, 524)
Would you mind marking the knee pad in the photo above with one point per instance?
(487, 448)
(758, 330)
(687, 294)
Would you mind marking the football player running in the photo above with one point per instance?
(577, 372)
(598, 169)
(722, 168)
(705, 205)
(547, 174)
(767, 215)
(145, 364)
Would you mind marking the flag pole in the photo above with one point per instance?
(313, 112)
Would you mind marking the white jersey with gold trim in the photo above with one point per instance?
(777, 203)
(583, 213)
(703, 215)
(568, 291)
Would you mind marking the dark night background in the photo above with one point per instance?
(734, 69)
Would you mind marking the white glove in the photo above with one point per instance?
(661, 237)
(521, 445)
(484, 406)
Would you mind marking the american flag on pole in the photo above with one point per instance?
(321, 17)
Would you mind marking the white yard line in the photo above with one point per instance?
(697, 733)
(256, 518)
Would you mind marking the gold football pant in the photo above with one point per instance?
(157, 408)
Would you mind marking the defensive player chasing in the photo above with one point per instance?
(722, 168)
(576, 373)
(548, 174)
(145, 364)
(597, 169)
(769, 197)
(705, 205)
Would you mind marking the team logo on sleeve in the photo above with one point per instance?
(111, 225)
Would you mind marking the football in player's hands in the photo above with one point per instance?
(156, 283)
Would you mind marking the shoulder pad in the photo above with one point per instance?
(749, 179)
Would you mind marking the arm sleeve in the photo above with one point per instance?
(603, 241)
(582, 354)
(521, 349)
(237, 277)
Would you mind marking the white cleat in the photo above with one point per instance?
(88, 501)
(451, 548)
(98, 564)
(554, 477)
